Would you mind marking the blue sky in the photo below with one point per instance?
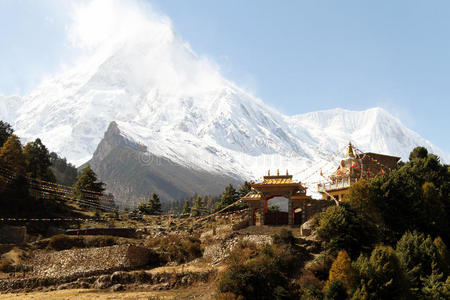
(298, 56)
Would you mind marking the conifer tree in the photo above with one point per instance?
(342, 270)
(38, 162)
(154, 205)
(419, 257)
(11, 155)
(199, 207)
(187, 207)
(87, 182)
(382, 276)
(5, 132)
(228, 197)
(443, 255)
(244, 189)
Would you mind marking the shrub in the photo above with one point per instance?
(308, 280)
(284, 237)
(228, 296)
(336, 291)
(173, 248)
(321, 265)
(264, 274)
(62, 242)
(6, 265)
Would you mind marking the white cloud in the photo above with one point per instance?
(145, 48)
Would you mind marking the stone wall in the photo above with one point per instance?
(75, 261)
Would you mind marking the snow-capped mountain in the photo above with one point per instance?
(179, 106)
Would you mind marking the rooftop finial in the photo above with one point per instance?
(278, 172)
(268, 172)
(287, 172)
(350, 152)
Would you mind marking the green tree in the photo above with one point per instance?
(152, 207)
(244, 189)
(362, 203)
(418, 153)
(229, 196)
(419, 257)
(187, 207)
(5, 132)
(382, 276)
(415, 196)
(199, 207)
(11, 155)
(342, 229)
(443, 254)
(88, 187)
(37, 158)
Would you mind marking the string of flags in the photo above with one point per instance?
(47, 190)
(48, 219)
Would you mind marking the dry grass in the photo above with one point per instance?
(201, 292)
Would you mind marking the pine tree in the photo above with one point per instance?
(382, 275)
(199, 206)
(11, 155)
(38, 162)
(87, 182)
(443, 255)
(187, 207)
(154, 205)
(5, 132)
(359, 199)
(342, 270)
(228, 197)
(419, 257)
(244, 189)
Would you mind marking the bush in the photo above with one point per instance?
(284, 237)
(321, 265)
(173, 248)
(336, 291)
(228, 296)
(63, 242)
(6, 265)
(263, 274)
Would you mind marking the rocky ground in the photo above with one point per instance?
(126, 270)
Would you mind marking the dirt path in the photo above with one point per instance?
(202, 292)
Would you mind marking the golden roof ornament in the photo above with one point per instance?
(350, 152)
